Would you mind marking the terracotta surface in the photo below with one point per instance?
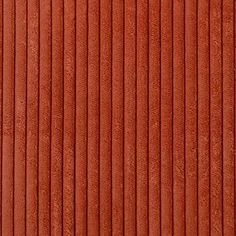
(117, 117)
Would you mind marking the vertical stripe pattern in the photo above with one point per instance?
(117, 117)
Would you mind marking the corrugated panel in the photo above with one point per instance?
(117, 117)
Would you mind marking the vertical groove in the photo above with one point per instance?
(26, 116)
(222, 117)
(75, 133)
(172, 115)
(14, 119)
(123, 115)
(234, 110)
(111, 114)
(38, 117)
(50, 174)
(99, 117)
(197, 88)
(2, 46)
(160, 123)
(185, 208)
(63, 111)
(50, 161)
(136, 117)
(75, 117)
(209, 90)
(87, 32)
(148, 115)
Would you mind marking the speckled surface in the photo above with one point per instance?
(117, 117)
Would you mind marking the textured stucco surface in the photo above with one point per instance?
(117, 117)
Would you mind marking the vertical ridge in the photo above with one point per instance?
(44, 117)
(105, 177)
(32, 116)
(228, 115)
(154, 118)
(216, 117)
(57, 118)
(178, 118)
(191, 118)
(94, 117)
(130, 117)
(20, 117)
(68, 142)
(81, 116)
(166, 118)
(8, 118)
(117, 117)
(142, 117)
(203, 117)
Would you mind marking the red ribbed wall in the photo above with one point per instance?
(117, 117)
